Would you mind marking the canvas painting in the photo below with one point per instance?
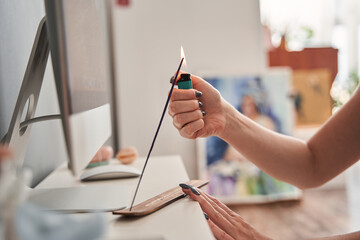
(264, 99)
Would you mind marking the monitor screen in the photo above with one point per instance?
(80, 51)
(86, 54)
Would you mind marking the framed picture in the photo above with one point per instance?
(265, 99)
(314, 103)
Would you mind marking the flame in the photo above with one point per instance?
(182, 53)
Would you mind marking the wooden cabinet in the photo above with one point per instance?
(314, 70)
(308, 58)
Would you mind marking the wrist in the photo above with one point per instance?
(231, 119)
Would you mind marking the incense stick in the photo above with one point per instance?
(157, 131)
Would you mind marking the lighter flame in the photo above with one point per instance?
(182, 53)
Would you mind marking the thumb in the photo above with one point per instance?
(197, 81)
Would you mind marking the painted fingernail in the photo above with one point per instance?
(206, 216)
(203, 113)
(201, 104)
(194, 191)
(198, 94)
(172, 79)
(184, 186)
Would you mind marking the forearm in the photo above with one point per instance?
(330, 151)
(349, 236)
(283, 157)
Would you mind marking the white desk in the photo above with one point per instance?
(183, 219)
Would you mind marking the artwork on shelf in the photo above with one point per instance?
(264, 98)
(314, 103)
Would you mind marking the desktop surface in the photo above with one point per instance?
(175, 221)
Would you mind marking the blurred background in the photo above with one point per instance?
(312, 46)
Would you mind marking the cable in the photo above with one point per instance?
(34, 120)
(39, 119)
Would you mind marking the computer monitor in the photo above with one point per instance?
(80, 51)
(77, 35)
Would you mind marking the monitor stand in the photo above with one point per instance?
(102, 197)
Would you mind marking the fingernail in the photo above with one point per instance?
(206, 216)
(203, 113)
(184, 186)
(200, 104)
(172, 79)
(198, 94)
(195, 192)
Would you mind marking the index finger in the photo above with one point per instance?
(220, 204)
(184, 94)
(215, 214)
(216, 204)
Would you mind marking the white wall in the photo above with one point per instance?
(19, 20)
(217, 36)
(283, 16)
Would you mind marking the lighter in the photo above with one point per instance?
(185, 81)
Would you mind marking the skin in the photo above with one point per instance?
(228, 225)
(309, 164)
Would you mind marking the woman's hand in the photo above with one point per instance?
(198, 112)
(224, 223)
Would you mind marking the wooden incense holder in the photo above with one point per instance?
(153, 204)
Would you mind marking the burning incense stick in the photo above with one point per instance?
(157, 131)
